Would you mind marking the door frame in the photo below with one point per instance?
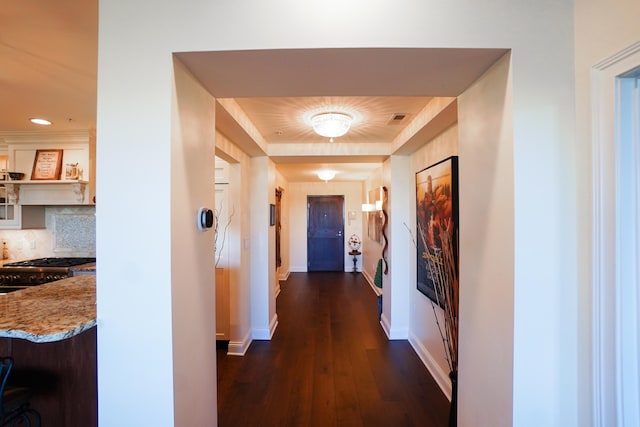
(615, 377)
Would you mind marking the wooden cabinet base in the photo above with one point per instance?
(62, 376)
(223, 316)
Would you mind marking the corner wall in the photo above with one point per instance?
(193, 290)
(487, 250)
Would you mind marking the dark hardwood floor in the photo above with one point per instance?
(328, 364)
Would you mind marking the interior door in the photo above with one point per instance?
(325, 233)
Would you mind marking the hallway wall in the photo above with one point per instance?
(423, 331)
(239, 253)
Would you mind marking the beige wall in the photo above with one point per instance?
(239, 254)
(193, 289)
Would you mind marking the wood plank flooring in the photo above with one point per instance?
(328, 364)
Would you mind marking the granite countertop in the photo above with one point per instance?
(84, 268)
(50, 312)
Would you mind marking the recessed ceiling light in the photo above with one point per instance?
(42, 122)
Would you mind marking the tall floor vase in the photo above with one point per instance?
(453, 410)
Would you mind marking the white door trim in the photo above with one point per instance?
(609, 383)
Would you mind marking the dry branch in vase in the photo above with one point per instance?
(444, 274)
(218, 250)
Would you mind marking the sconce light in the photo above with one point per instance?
(368, 207)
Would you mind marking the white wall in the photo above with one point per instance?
(134, 117)
(298, 192)
(396, 283)
(264, 319)
(487, 329)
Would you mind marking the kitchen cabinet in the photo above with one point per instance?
(223, 315)
(15, 216)
(50, 193)
(78, 149)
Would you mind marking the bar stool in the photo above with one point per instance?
(14, 401)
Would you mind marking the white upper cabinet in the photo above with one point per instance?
(73, 152)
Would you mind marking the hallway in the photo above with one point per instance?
(328, 364)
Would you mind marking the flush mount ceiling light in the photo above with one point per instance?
(326, 175)
(43, 122)
(331, 125)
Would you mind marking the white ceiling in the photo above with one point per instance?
(48, 52)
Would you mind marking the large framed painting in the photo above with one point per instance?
(436, 211)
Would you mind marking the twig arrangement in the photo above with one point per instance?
(441, 263)
(218, 250)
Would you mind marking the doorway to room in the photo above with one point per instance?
(325, 233)
(616, 302)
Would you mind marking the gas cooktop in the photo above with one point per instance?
(52, 262)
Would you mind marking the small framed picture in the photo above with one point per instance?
(272, 214)
(47, 165)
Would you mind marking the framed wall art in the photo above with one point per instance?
(437, 220)
(47, 165)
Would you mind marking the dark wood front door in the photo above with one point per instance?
(325, 233)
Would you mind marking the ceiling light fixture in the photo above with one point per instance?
(42, 122)
(331, 125)
(326, 175)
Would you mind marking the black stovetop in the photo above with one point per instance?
(52, 262)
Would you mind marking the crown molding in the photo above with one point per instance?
(46, 136)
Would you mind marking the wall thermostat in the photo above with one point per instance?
(205, 218)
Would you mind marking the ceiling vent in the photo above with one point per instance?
(397, 118)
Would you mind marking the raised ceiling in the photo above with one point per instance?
(48, 52)
(49, 55)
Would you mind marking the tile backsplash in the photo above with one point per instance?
(70, 231)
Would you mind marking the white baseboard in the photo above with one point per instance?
(441, 377)
(265, 334)
(386, 327)
(369, 280)
(284, 276)
(239, 348)
(298, 269)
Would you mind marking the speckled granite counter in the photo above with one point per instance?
(50, 312)
(84, 269)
